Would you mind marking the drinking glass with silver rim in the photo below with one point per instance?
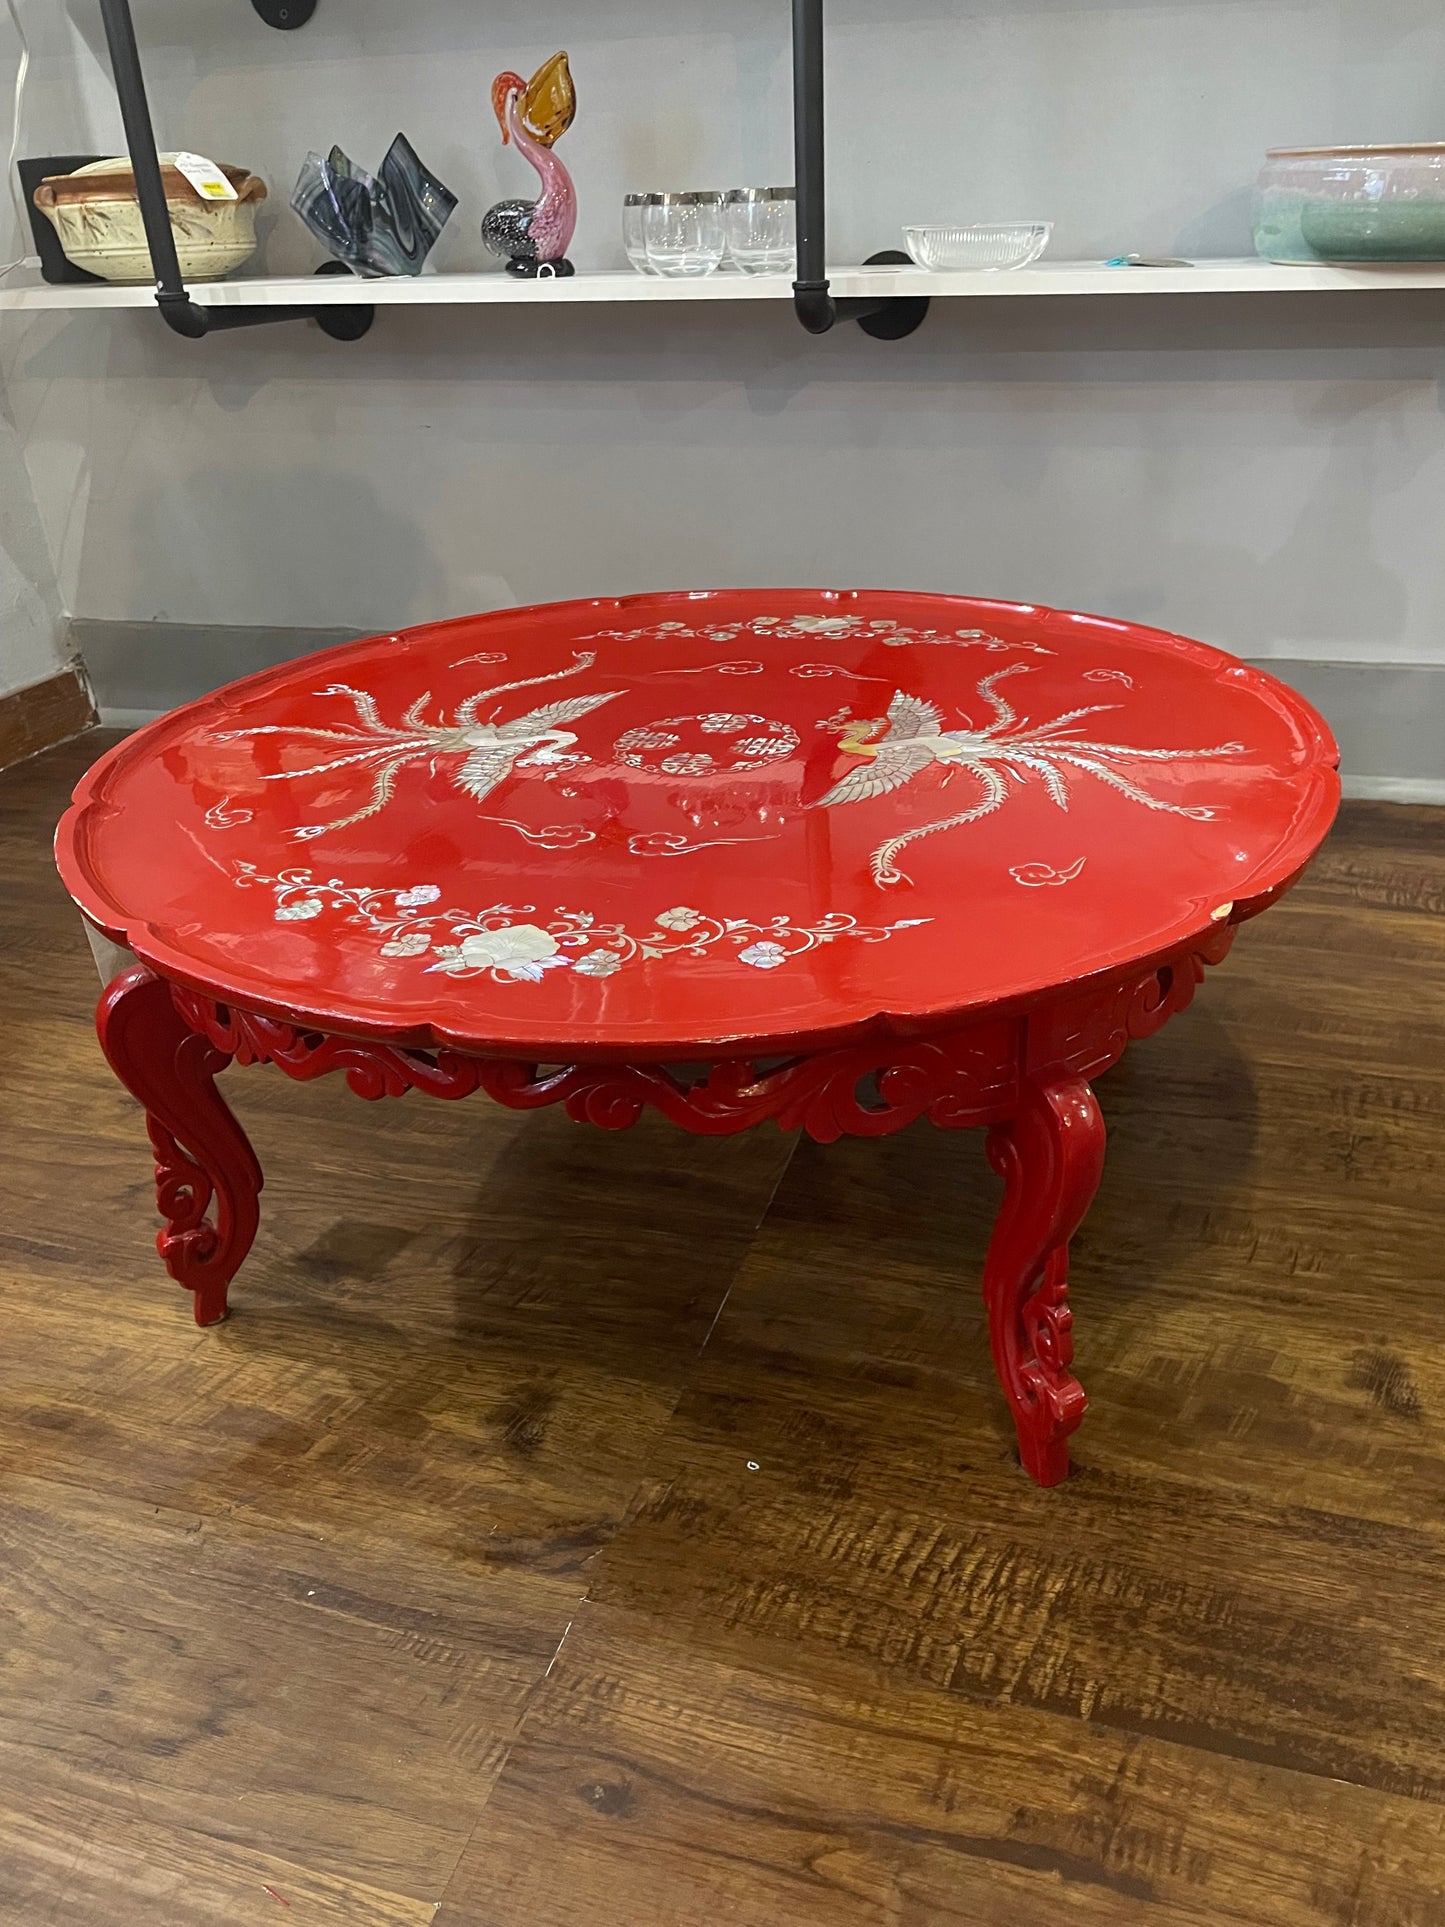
(761, 225)
(683, 233)
(633, 240)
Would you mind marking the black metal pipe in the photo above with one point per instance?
(815, 307)
(886, 317)
(145, 163)
(182, 315)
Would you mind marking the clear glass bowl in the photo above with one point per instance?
(952, 249)
(683, 233)
(761, 224)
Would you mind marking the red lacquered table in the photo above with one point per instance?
(842, 860)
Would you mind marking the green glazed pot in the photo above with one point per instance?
(1386, 231)
(1352, 204)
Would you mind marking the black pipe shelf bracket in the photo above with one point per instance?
(285, 14)
(182, 315)
(885, 317)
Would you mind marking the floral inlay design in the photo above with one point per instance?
(489, 750)
(505, 943)
(752, 742)
(1003, 752)
(872, 628)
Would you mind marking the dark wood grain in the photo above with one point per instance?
(276, 1594)
(696, 1781)
(45, 713)
(473, 1563)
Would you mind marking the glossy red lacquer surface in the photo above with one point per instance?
(639, 826)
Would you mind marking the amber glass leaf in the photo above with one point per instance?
(549, 105)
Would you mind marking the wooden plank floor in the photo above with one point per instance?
(623, 1531)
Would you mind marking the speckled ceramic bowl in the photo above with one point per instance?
(96, 214)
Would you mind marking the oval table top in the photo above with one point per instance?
(699, 823)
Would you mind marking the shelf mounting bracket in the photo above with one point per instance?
(180, 314)
(885, 317)
(285, 14)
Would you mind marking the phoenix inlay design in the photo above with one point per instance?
(1003, 752)
(488, 750)
(999, 750)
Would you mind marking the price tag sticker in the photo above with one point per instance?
(205, 177)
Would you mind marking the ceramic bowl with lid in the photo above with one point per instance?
(1353, 205)
(96, 213)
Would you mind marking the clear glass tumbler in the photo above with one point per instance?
(683, 233)
(633, 240)
(761, 226)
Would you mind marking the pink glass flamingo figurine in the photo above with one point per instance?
(532, 237)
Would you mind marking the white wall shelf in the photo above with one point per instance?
(1046, 278)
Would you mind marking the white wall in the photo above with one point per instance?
(1264, 472)
(34, 638)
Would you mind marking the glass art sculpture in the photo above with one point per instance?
(532, 237)
(377, 224)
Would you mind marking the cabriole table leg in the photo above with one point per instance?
(1050, 1155)
(202, 1154)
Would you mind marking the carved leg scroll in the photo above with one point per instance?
(202, 1154)
(1050, 1156)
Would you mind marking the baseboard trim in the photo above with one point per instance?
(1389, 718)
(46, 713)
(1395, 789)
(140, 670)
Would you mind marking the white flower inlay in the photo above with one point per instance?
(824, 625)
(598, 963)
(419, 894)
(763, 956)
(895, 635)
(520, 950)
(411, 943)
(502, 943)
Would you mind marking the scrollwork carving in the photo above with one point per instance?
(1164, 992)
(1085, 1030)
(207, 1177)
(1050, 1155)
(867, 1090)
(372, 1070)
